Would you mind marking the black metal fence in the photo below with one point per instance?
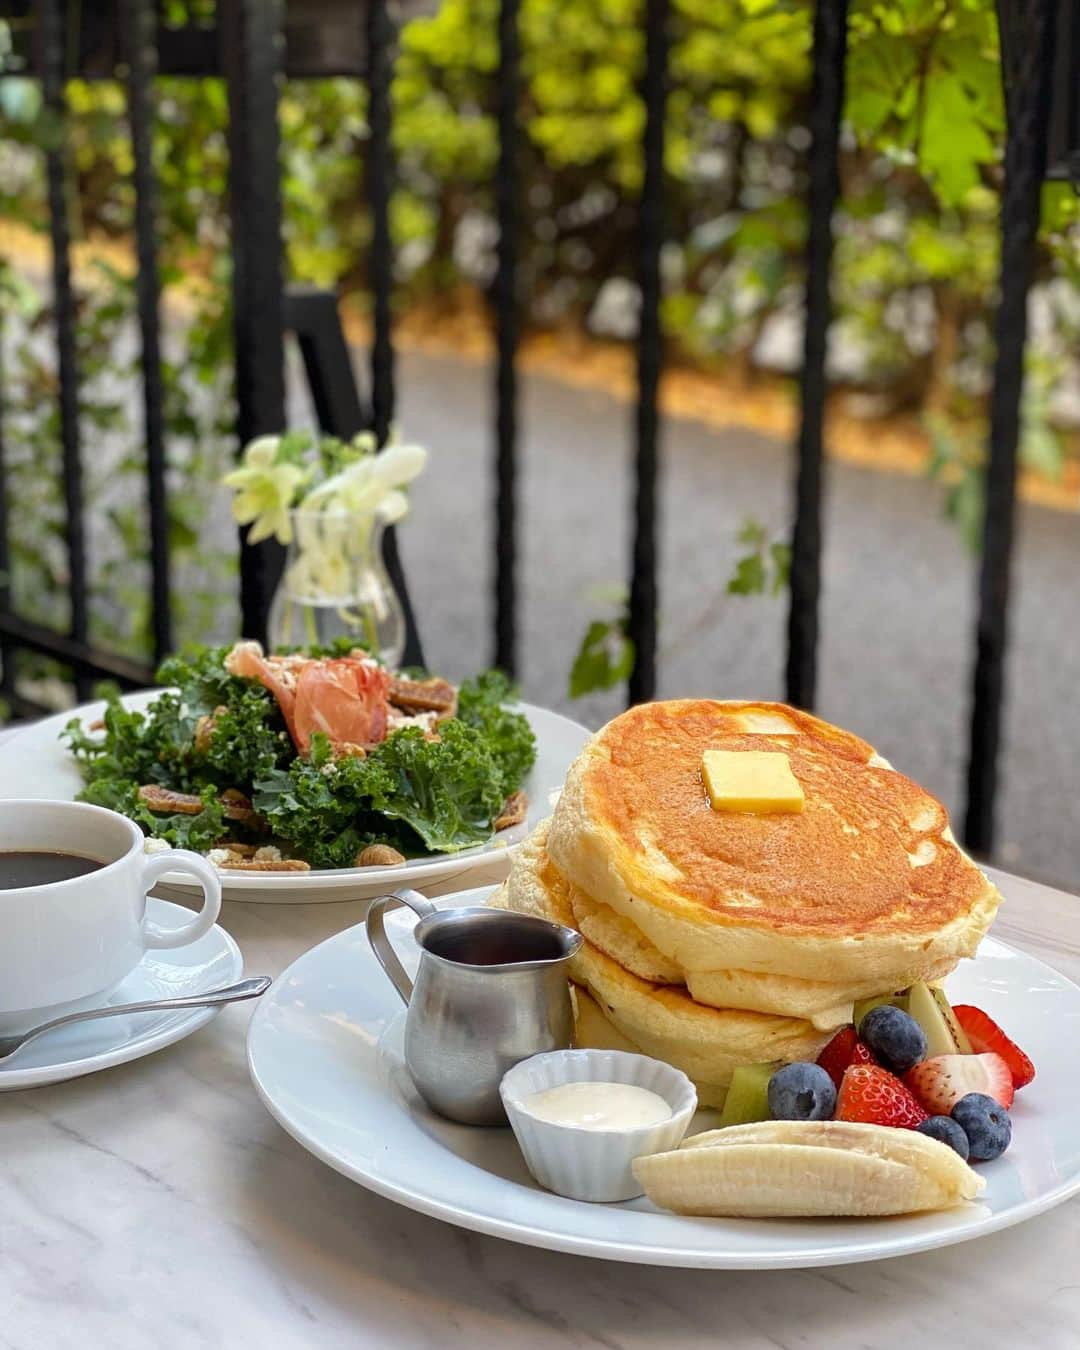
(255, 44)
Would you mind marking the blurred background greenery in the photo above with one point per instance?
(917, 243)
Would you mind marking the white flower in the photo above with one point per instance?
(372, 486)
(265, 491)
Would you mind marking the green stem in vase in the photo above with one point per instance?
(310, 626)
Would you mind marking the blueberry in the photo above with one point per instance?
(948, 1132)
(896, 1039)
(801, 1092)
(986, 1124)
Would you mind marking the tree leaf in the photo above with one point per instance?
(749, 575)
(604, 659)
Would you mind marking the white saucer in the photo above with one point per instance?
(69, 1052)
(326, 1057)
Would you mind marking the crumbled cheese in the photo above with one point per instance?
(426, 721)
(219, 855)
(153, 845)
(268, 854)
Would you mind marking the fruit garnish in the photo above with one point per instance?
(939, 1083)
(874, 1096)
(986, 1124)
(863, 1005)
(801, 1092)
(894, 1036)
(807, 1168)
(936, 1019)
(945, 1129)
(959, 1035)
(843, 1050)
(985, 1034)
(747, 1098)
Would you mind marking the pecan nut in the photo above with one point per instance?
(515, 809)
(379, 855)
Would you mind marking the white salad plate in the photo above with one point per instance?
(208, 963)
(325, 1054)
(36, 763)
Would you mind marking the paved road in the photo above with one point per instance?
(897, 614)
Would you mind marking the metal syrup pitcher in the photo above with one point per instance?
(492, 990)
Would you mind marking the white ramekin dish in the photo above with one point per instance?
(586, 1164)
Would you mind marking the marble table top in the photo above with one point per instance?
(158, 1205)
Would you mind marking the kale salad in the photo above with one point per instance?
(315, 759)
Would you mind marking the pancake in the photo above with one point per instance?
(593, 1031)
(621, 940)
(865, 888)
(826, 1005)
(663, 1021)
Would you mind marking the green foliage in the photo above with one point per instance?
(913, 284)
(605, 657)
(764, 567)
(956, 461)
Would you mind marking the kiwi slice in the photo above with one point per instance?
(747, 1098)
(863, 1006)
(923, 1006)
(959, 1035)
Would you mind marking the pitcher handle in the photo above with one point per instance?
(380, 943)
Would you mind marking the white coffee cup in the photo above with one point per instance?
(65, 942)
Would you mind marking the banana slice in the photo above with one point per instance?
(807, 1169)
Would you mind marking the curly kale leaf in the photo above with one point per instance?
(482, 704)
(449, 791)
(244, 739)
(246, 735)
(418, 795)
(323, 808)
(199, 832)
(145, 747)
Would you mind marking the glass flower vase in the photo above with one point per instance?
(335, 585)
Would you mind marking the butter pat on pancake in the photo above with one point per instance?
(865, 885)
(756, 781)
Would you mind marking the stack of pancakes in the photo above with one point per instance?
(718, 938)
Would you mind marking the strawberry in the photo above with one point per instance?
(843, 1050)
(985, 1035)
(874, 1096)
(939, 1083)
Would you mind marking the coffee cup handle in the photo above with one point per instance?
(380, 943)
(181, 860)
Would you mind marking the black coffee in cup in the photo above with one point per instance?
(20, 868)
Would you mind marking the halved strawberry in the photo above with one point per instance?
(874, 1096)
(843, 1050)
(939, 1083)
(985, 1034)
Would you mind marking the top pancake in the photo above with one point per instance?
(867, 881)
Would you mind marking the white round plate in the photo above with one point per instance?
(36, 763)
(325, 1054)
(211, 962)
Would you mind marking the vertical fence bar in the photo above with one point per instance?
(51, 19)
(507, 187)
(1028, 104)
(643, 589)
(251, 38)
(380, 186)
(826, 109)
(7, 651)
(380, 178)
(140, 19)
